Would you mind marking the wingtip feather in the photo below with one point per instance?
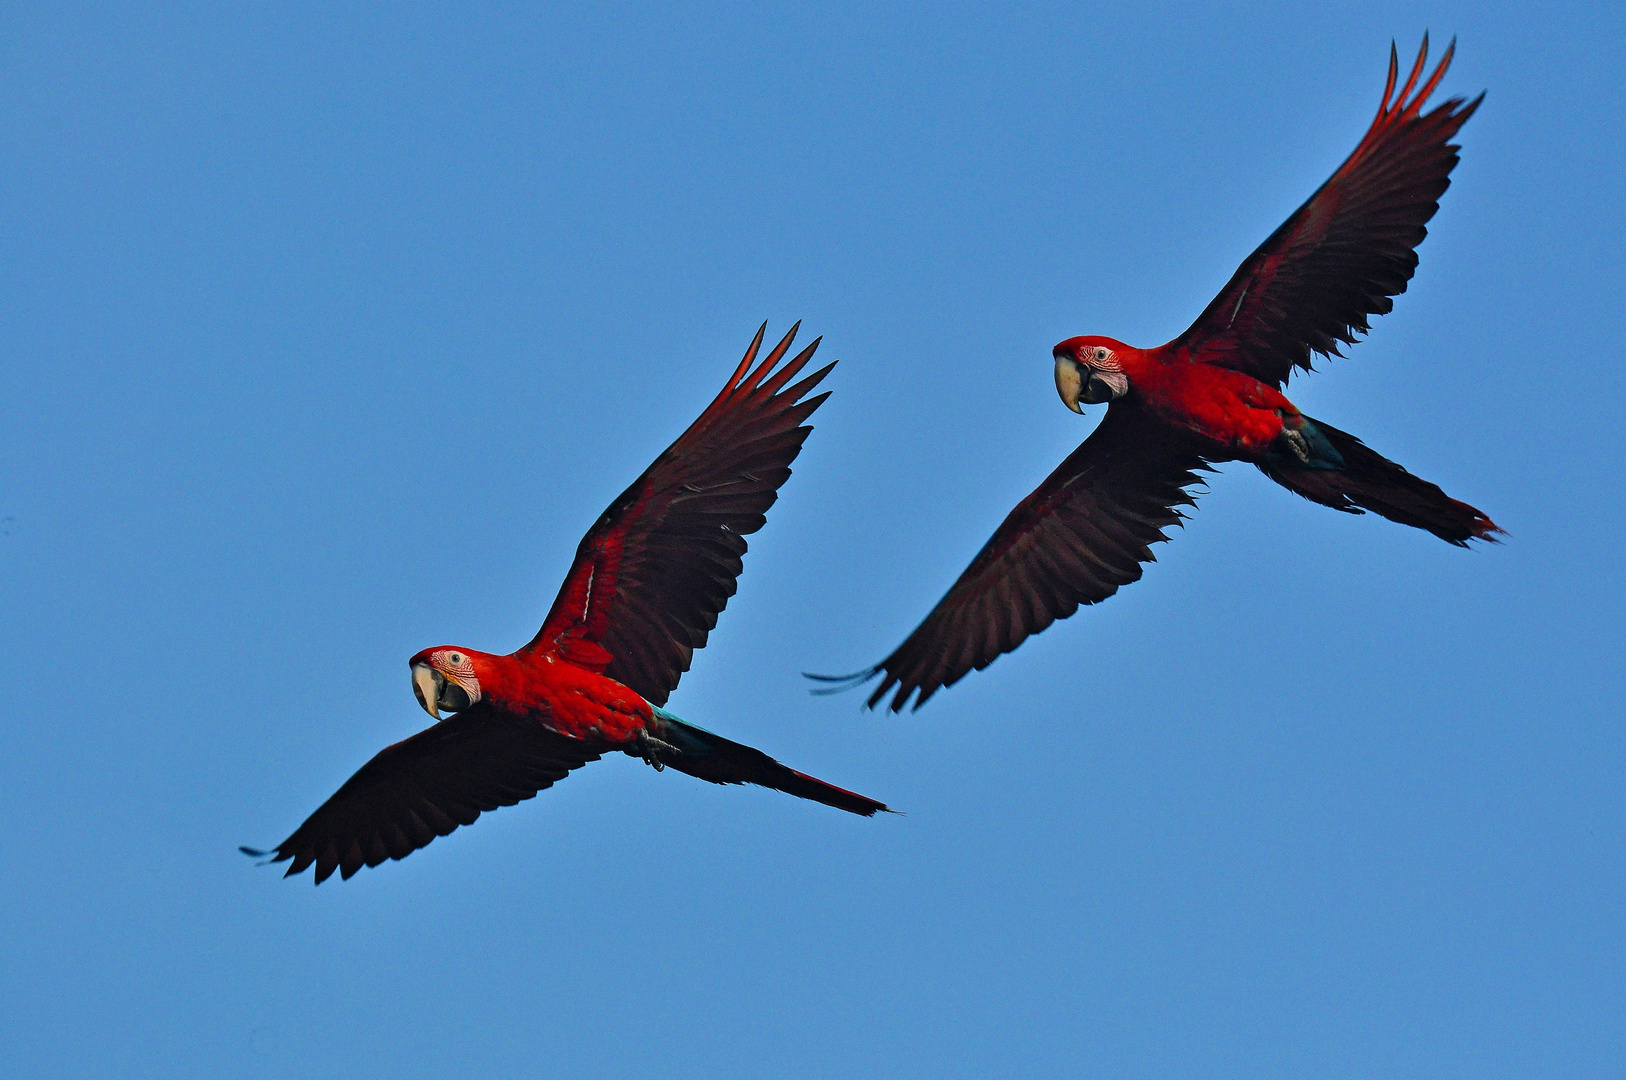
(797, 392)
(840, 684)
(773, 357)
(1416, 72)
(1416, 106)
(788, 372)
(1394, 73)
(748, 359)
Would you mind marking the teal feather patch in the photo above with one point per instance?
(1323, 455)
(687, 737)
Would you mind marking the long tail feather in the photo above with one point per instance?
(712, 758)
(1367, 480)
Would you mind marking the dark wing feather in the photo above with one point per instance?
(1075, 540)
(652, 575)
(428, 785)
(1343, 254)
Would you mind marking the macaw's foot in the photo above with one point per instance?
(1302, 444)
(652, 750)
(1293, 443)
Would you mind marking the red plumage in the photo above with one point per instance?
(1213, 394)
(648, 582)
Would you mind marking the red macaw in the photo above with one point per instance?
(643, 594)
(1213, 394)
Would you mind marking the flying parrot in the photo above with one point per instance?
(647, 584)
(1212, 394)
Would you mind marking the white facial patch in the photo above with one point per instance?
(1103, 359)
(453, 662)
(1115, 382)
(456, 666)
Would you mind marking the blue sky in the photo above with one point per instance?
(324, 335)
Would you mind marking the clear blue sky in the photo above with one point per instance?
(324, 335)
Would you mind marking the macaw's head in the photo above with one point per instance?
(1090, 369)
(445, 678)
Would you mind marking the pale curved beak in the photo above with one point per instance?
(1069, 381)
(436, 692)
(427, 684)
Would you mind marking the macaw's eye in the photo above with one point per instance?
(455, 658)
(1100, 353)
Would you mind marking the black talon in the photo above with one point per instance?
(650, 749)
(1296, 444)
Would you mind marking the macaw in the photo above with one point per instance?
(1212, 394)
(647, 584)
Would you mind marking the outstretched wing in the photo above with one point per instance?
(651, 576)
(428, 785)
(1075, 540)
(1344, 253)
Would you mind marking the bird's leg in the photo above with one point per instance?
(1300, 443)
(650, 749)
(1292, 439)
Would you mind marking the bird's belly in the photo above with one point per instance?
(582, 715)
(1238, 414)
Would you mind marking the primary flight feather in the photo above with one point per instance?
(647, 584)
(1213, 394)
